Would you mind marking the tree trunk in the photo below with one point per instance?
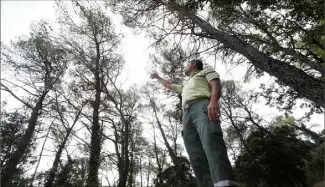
(92, 180)
(306, 86)
(125, 164)
(23, 143)
(123, 179)
(130, 183)
(126, 152)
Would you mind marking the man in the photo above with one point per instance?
(202, 132)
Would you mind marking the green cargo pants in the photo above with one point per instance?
(206, 148)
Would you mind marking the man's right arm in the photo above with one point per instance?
(166, 83)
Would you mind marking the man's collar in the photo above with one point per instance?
(194, 73)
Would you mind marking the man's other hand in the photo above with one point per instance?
(214, 111)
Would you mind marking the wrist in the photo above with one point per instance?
(214, 99)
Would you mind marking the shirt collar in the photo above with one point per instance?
(194, 73)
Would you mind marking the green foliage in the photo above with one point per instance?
(72, 173)
(281, 121)
(276, 159)
(285, 99)
(177, 175)
(315, 166)
(12, 129)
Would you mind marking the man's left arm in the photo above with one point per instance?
(213, 107)
(215, 89)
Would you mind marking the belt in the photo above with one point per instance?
(189, 103)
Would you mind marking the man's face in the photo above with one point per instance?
(189, 68)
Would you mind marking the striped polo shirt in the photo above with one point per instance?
(197, 86)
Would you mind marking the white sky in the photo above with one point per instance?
(16, 17)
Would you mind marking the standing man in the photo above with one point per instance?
(202, 132)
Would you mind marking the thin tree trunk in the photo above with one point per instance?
(240, 135)
(313, 135)
(56, 161)
(140, 172)
(157, 156)
(62, 178)
(175, 147)
(119, 156)
(250, 118)
(169, 148)
(123, 154)
(305, 85)
(55, 164)
(23, 143)
(148, 175)
(40, 157)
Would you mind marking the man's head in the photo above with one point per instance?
(193, 66)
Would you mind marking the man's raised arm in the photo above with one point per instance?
(166, 83)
